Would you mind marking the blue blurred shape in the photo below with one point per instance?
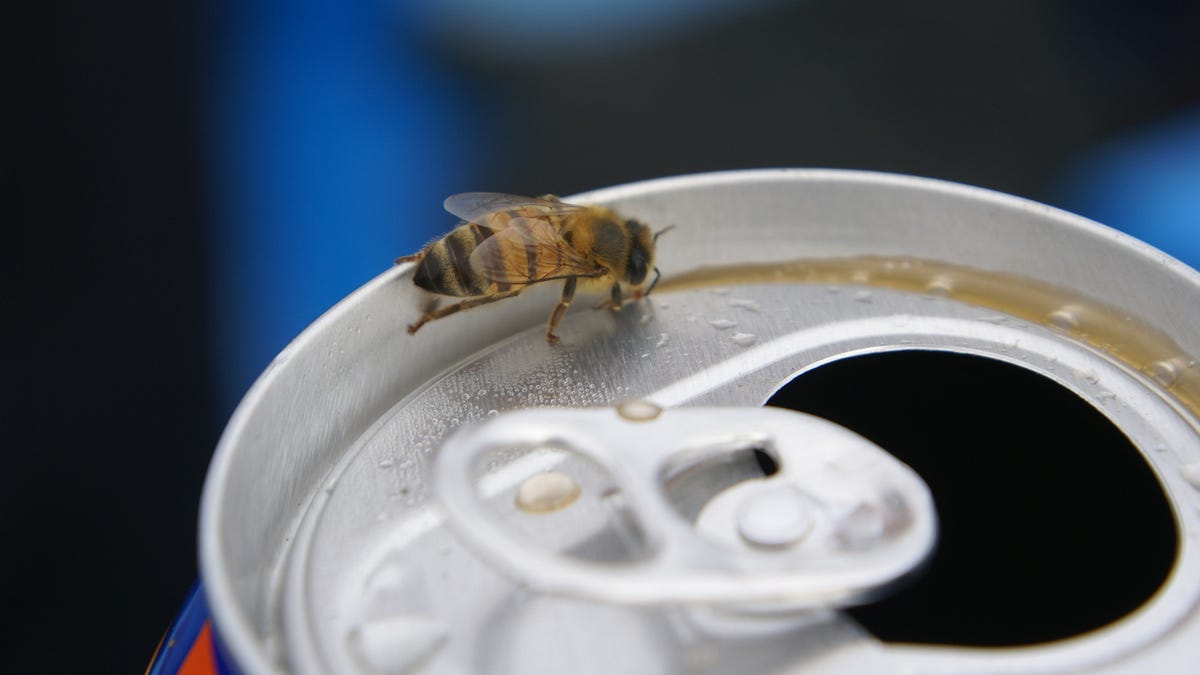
(336, 140)
(1146, 183)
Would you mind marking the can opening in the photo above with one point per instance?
(1051, 522)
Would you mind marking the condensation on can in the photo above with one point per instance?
(324, 549)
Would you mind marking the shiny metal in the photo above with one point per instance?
(871, 517)
(322, 551)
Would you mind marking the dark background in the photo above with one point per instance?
(196, 183)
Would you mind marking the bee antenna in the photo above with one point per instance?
(661, 233)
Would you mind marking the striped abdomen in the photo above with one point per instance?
(445, 266)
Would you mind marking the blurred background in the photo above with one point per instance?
(199, 181)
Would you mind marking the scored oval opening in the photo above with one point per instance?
(1051, 523)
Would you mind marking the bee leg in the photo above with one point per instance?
(408, 258)
(615, 300)
(639, 293)
(440, 312)
(568, 293)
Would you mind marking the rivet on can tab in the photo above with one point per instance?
(836, 522)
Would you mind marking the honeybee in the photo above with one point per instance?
(507, 243)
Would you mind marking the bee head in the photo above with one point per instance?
(641, 252)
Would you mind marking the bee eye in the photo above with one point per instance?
(636, 269)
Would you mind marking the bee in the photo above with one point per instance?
(507, 243)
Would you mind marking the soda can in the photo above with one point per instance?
(980, 454)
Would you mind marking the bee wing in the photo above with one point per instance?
(475, 206)
(527, 251)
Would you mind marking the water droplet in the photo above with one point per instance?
(547, 492)
(745, 304)
(1164, 372)
(862, 296)
(743, 339)
(1191, 473)
(387, 463)
(1065, 318)
(775, 518)
(722, 324)
(396, 644)
(638, 410)
(493, 412)
(662, 340)
(940, 285)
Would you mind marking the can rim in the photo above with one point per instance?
(236, 630)
(233, 627)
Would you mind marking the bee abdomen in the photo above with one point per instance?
(445, 268)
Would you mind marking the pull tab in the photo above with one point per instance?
(834, 522)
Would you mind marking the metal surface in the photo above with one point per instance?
(320, 547)
(839, 518)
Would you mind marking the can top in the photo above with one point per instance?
(320, 482)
